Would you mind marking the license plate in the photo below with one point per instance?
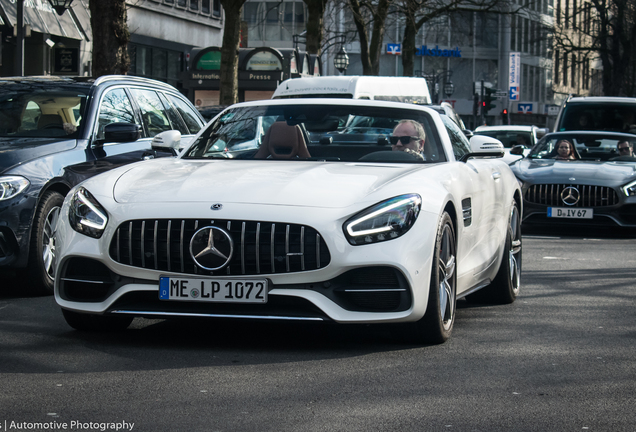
(213, 290)
(570, 213)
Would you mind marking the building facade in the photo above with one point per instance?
(162, 34)
(465, 48)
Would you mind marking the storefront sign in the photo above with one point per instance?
(260, 76)
(437, 52)
(394, 49)
(264, 61)
(66, 61)
(211, 60)
(514, 75)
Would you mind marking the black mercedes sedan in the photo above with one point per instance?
(56, 132)
(579, 178)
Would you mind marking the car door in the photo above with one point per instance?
(477, 178)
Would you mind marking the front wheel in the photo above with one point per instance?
(42, 256)
(437, 324)
(96, 323)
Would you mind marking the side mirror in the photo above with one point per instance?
(484, 146)
(517, 150)
(469, 134)
(122, 132)
(168, 141)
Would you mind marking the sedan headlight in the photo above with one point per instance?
(86, 215)
(629, 189)
(384, 221)
(10, 186)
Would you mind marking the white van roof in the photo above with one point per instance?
(398, 89)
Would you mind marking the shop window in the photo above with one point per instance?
(194, 5)
(182, 3)
(205, 6)
(217, 8)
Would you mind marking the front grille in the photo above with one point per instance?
(259, 247)
(590, 196)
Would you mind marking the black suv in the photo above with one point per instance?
(56, 132)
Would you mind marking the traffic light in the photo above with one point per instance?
(504, 116)
(489, 100)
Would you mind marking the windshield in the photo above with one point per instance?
(509, 138)
(617, 117)
(599, 147)
(318, 132)
(41, 113)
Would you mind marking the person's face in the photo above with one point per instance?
(564, 149)
(407, 129)
(624, 149)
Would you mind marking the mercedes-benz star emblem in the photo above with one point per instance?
(211, 248)
(217, 206)
(570, 195)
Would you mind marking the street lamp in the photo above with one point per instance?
(449, 89)
(341, 60)
(60, 6)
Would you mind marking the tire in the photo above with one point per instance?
(40, 272)
(504, 288)
(96, 323)
(437, 324)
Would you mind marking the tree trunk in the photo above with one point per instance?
(230, 51)
(363, 35)
(408, 44)
(377, 35)
(110, 44)
(315, 25)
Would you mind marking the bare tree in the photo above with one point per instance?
(230, 51)
(110, 52)
(603, 30)
(370, 15)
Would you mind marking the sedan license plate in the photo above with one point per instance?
(213, 290)
(570, 213)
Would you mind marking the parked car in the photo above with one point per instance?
(56, 132)
(616, 114)
(511, 136)
(598, 188)
(319, 223)
(447, 109)
(209, 112)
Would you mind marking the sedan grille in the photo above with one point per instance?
(588, 196)
(259, 247)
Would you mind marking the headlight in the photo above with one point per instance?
(86, 215)
(629, 189)
(10, 186)
(384, 221)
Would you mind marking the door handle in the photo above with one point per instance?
(496, 175)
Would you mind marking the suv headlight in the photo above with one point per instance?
(384, 221)
(86, 215)
(10, 186)
(629, 189)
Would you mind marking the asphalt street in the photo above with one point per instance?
(561, 358)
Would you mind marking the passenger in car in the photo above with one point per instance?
(565, 150)
(409, 136)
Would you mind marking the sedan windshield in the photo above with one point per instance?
(41, 113)
(317, 132)
(592, 146)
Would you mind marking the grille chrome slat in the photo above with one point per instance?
(590, 196)
(294, 247)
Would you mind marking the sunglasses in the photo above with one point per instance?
(405, 139)
(623, 149)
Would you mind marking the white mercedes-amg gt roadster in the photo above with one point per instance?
(347, 211)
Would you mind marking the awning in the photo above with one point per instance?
(42, 18)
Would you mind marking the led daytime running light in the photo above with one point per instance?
(373, 215)
(84, 199)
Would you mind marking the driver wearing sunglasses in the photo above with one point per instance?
(408, 136)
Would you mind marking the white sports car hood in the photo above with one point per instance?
(331, 185)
